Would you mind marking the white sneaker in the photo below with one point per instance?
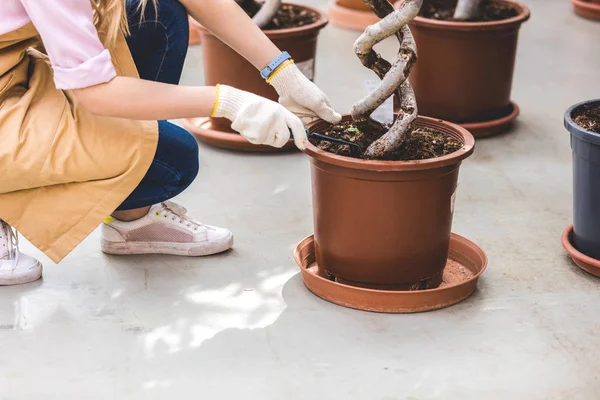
(15, 267)
(166, 229)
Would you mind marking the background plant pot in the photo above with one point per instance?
(586, 185)
(223, 65)
(351, 14)
(587, 9)
(385, 224)
(194, 31)
(464, 71)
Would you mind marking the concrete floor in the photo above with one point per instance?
(242, 325)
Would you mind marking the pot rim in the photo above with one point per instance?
(415, 165)
(319, 24)
(593, 4)
(508, 23)
(578, 131)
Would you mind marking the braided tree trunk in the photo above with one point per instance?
(467, 9)
(393, 76)
(267, 10)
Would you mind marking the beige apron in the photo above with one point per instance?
(62, 169)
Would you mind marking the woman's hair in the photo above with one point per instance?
(110, 17)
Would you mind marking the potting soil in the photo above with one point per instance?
(588, 117)
(288, 16)
(444, 10)
(421, 143)
(455, 273)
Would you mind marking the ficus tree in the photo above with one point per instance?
(394, 76)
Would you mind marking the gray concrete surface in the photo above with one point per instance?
(242, 325)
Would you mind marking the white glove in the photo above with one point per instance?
(259, 120)
(302, 97)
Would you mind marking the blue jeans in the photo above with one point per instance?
(158, 44)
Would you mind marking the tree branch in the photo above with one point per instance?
(393, 76)
(467, 9)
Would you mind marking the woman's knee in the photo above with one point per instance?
(191, 158)
(181, 149)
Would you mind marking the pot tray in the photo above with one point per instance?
(462, 252)
(584, 262)
(202, 128)
(492, 127)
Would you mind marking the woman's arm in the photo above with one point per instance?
(226, 20)
(82, 65)
(134, 98)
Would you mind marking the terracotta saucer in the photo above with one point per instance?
(462, 251)
(584, 262)
(202, 128)
(586, 9)
(493, 127)
(194, 32)
(348, 18)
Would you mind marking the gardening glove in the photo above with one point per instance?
(302, 97)
(259, 120)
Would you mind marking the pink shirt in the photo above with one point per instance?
(66, 26)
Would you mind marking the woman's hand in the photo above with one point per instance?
(259, 120)
(226, 20)
(302, 97)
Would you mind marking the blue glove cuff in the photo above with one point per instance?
(273, 65)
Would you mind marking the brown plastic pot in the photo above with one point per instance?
(385, 224)
(351, 14)
(223, 65)
(464, 70)
(587, 9)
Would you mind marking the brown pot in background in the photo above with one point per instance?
(385, 224)
(358, 5)
(223, 65)
(194, 31)
(464, 70)
(587, 9)
(351, 14)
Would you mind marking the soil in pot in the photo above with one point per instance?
(287, 17)
(588, 117)
(421, 144)
(444, 11)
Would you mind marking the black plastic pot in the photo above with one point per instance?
(586, 185)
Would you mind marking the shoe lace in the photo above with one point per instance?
(175, 211)
(9, 239)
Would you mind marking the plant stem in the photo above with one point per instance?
(467, 9)
(393, 76)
